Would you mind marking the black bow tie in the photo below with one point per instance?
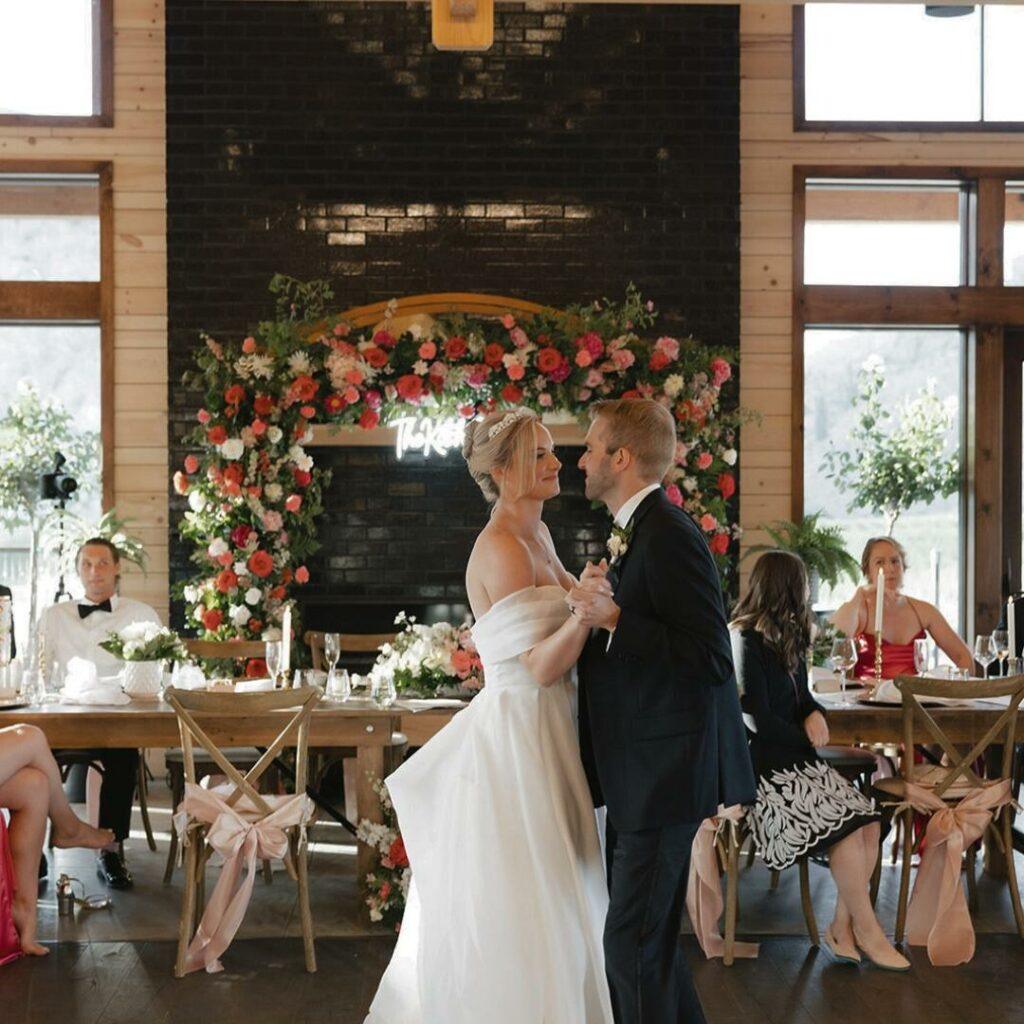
(85, 610)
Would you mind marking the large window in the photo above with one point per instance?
(54, 350)
(905, 66)
(56, 62)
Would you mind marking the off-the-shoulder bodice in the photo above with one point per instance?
(512, 626)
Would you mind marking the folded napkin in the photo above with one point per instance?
(187, 677)
(416, 704)
(886, 693)
(82, 685)
(254, 685)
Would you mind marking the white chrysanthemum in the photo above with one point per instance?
(273, 492)
(255, 365)
(274, 434)
(232, 449)
(673, 385)
(298, 362)
(196, 500)
(239, 614)
(240, 568)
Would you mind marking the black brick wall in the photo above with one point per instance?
(590, 147)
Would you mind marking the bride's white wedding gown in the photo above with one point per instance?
(508, 899)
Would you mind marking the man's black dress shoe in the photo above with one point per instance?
(111, 868)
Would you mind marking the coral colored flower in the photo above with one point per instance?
(721, 371)
(302, 574)
(508, 321)
(726, 485)
(181, 482)
(548, 359)
(304, 388)
(369, 419)
(708, 523)
(658, 360)
(397, 854)
(376, 357)
(674, 495)
(385, 891)
(704, 460)
(583, 357)
(191, 463)
(203, 416)
(212, 619)
(631, 393)
(234, 395)
(545, 399)
(494, 354)
(455, 348)
(225, 581)
(259, 428)
(623, 358)
(277, 594)
(308, 411)
(225, 559)
(272, 521)
(263, 405)
(216, 435)
(516, 371)
(351, 395)
(719, 543)
(342, 330)
(233, 473)
(427, 350)
(260, 564)
(293, 502)
(240, 536)
(249, 345)
(256, 668)
(302, 477)
(409, 387)
(669, 347)
(384, 339)
(511, 394)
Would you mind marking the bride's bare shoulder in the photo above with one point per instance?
(499, 565)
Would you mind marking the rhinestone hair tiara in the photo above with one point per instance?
(506, 421)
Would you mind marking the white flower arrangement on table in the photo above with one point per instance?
(438, 659)
(145, 641)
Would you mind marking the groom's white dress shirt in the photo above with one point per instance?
(630, 505)
(67, 635)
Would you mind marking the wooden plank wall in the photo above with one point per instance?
(135, 147)
(769, 149)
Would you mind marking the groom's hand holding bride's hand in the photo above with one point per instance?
(591, 599)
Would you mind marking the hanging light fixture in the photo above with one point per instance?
(462, 24)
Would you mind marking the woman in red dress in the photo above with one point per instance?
(31, 790)
(904, 619)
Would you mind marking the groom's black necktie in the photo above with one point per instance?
(85, 610)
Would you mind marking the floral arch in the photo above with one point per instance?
(254, 492)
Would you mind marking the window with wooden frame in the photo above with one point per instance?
(56, 351)
(905, 267)
(57, 63)
(907, 67)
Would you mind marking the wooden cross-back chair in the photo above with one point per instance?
(194, 707)
(951, 782)
(351, 643)
(221, 649)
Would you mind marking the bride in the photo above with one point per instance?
(506, 908)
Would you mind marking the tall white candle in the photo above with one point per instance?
(286, 638)
(879, 599)
(1011, 626)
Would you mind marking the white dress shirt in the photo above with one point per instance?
(67, 635)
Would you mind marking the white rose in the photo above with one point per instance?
(729, 457)
(151, 630)
(191, 594)
(673, 385)
(217, 547)
(197, 612)
(305, 463)
(274, 434)
(253, 595)
(131, 649)
(240, 568)
(273, 492)
(196, 500)
(689, 484)
(133, 631)
(239, 614)
(233, 448)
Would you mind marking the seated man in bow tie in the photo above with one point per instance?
(74, 629)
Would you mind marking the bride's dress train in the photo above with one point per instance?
(507, 905)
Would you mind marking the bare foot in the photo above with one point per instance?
(881, 952)
(25, 925)
(83, 835)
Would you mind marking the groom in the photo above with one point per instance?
(660, 725)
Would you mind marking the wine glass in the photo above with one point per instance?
(272, 650)
(332, 652)
(1001, 638)
(984, 652)
(842, 658)
(922, 656)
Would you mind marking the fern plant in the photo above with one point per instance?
(822, 548)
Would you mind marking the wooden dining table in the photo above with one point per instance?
(370, 730)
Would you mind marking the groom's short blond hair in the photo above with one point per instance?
(643, 426)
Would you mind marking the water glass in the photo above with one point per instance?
(961, 675)
(1001, 638)
(1014, 666)
(272, 650)
(922, 656)
(984, 652)
(383, 691)
(842, 658)
(339, 685)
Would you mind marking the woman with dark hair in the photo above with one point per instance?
(904, 619)
(803, 805)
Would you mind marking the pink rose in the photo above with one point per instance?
(623, 358)
(302, 574)
(708, 523)
(545, 399)
(593, 344)
(203, 416)
(584, 394)
(583, 357)
(249, 345)
(594, 378)
(191, 463)
(669, 346)
(293, 502)
(272, 520)
(704, 460)
(351, 395)
(508, 321)
(721, 371)
(427, 350)
(519, 338)
(674, 495)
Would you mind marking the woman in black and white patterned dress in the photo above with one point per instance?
(802, 804)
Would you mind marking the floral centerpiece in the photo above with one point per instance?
(144, 647)
(430, 660)
(387, 887)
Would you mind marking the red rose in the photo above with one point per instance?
(240, 536)
(216, 435)
(658, 360)
(256, 625)
(409, 387)
(302, 477)
(719, 543)
(369, 419)
(373, 399)
(376, 357)
(304, 388)
(549, 359)
(726, 485)
(233, 473)
(493, 355)
(234, 395)
(511, 394)
(455, 348)
(277, 594)
(256, 668)
(263, 404)
(397, 854)
(334, 403)
(212, 619)
(226, 581)
(260, 564)
(384, 339)
(385, 890)
(191, 463)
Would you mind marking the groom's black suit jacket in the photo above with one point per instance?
(661, 730)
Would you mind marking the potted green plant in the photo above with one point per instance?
(822, 548)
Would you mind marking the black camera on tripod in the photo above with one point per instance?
(57, 486)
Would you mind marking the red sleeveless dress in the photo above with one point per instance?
(897, 659)
(10, 946)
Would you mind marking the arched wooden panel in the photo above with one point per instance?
(444, 302)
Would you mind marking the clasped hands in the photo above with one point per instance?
(590, 600)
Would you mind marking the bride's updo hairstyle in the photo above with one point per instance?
(503, 439)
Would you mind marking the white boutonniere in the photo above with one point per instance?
(618, 542)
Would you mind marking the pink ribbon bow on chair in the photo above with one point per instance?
(240, 842)
(938, 916)
(704, 887)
